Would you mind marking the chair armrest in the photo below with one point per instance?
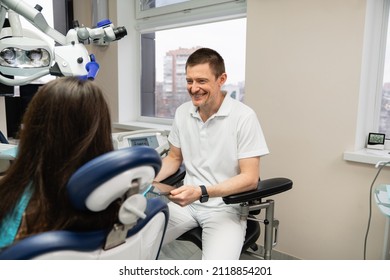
(265, 188)
(176, 178)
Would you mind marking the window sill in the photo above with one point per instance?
(368, 156)
(141, 126)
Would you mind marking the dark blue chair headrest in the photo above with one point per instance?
(107, 177)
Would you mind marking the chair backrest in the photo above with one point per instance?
(121, 174)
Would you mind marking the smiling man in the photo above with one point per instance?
(220, 142)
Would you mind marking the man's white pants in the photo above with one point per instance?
(223, 231)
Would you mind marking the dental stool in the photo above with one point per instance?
(251, 203)
(120, 174)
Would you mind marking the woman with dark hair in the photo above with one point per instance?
(66, 124)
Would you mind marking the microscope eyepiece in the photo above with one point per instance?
(120, 32)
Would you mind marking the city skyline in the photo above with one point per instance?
(215, 36)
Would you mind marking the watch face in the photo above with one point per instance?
(204, 198)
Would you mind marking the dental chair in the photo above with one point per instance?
(121, 174)
(251, 203)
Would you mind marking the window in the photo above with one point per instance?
(374, 96)
(163, 92)
(373, 115)
(170, 32)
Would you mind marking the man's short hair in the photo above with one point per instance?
(210, 56)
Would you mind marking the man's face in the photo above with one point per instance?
(202, 85)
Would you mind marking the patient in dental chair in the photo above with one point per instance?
(66, 124)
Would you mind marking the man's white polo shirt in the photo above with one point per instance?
(211, 149)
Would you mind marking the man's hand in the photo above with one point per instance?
(185, 195)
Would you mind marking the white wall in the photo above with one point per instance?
(106, 56)
(303, 76)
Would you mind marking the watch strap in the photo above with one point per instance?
(205, 196)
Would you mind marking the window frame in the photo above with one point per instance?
(178, 7)
(374, 48)
(371, 82)
(129, 91)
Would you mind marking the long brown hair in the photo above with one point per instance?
(66, 124)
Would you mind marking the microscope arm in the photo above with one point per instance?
(35, 17)
(69, 58)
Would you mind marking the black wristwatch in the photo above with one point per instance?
(205, 196)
